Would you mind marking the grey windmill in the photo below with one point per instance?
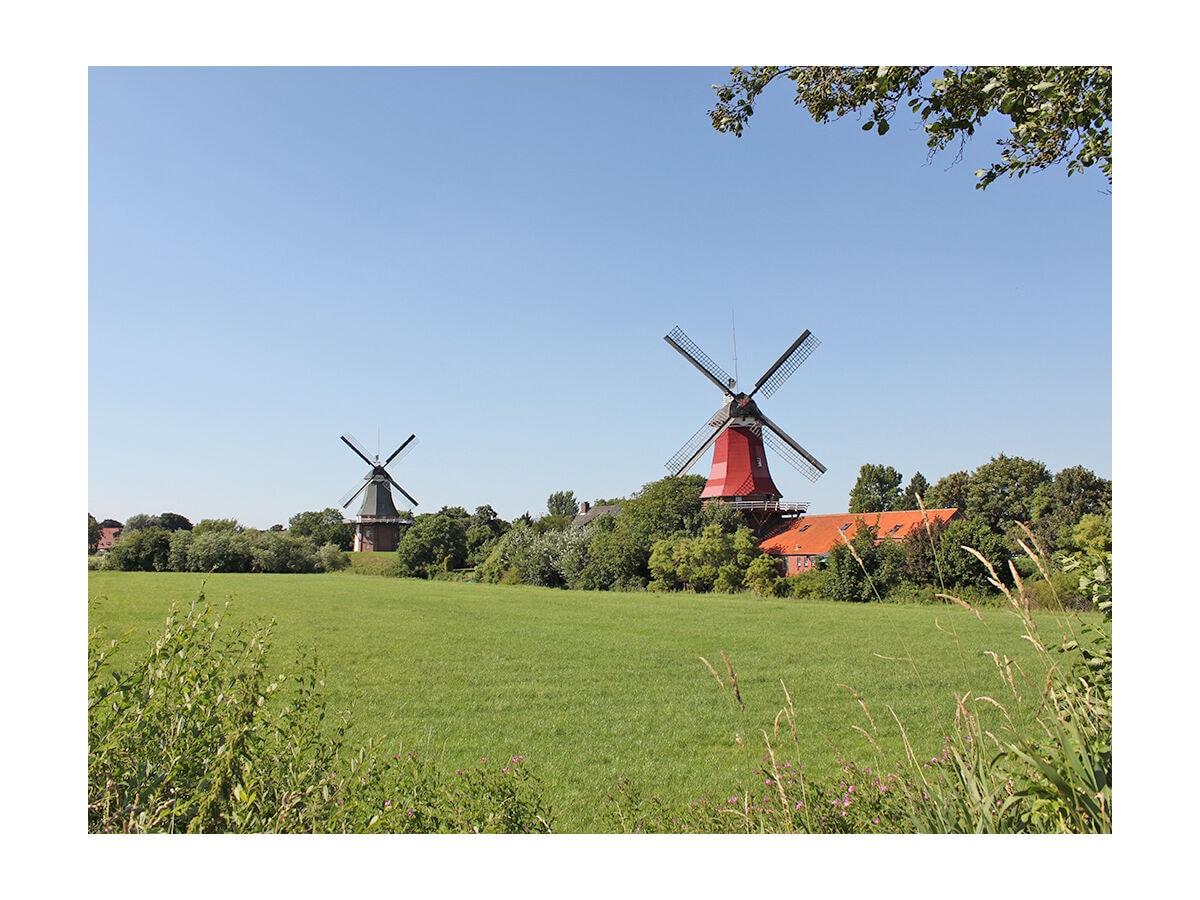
(377, 525)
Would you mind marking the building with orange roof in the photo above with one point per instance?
(809, 538)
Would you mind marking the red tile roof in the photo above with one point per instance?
(817, 535)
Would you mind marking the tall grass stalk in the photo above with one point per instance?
(1057, 779)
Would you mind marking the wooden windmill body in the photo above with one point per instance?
(378, 524)
(739, 433)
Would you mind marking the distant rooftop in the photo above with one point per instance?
(587, 513)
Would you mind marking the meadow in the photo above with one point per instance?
(593, 689)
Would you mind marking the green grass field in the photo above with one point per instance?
(592, 686)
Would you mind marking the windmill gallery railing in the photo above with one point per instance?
(777, 506)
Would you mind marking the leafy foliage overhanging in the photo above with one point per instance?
(1057, 113)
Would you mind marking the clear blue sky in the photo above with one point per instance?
(490, 258)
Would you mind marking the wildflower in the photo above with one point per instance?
(387, 804)
(517, 759)
(733, 799)
(800, 805)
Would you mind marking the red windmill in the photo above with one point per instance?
(739, 429)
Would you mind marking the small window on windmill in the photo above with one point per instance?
(805, 528)
(844, 527)
(895, 528)
(758, 461)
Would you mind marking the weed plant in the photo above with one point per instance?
(197, 737)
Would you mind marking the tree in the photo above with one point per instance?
(1001, 491)
(180, 547)
(1057, 113)
(1061, 503)
(950, 492)
(141, 550)
(282, 551)
(617, 559)
(562, 503)
(763, 578)
(174, 522)
(936, 557)
(436, 542)
(94, 531)
(877, 489)
(918, 486)
(865, 569)
(142, 521)
(204, 525)
(220, 550)
(664, 507)
(960, 568)
(484, 530)
(713, 560)
(324, 527)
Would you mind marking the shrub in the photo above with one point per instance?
(198, 737)
(140, 550)
(863, 569)
(714, 560)
(763, 578)
(219, 550)
(331, 558)
(279, 551)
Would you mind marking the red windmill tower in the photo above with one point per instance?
(739, 474)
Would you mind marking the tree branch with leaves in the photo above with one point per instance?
(1057, 113)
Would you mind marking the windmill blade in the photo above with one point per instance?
(404, 449)
(350, 442)
(799, 458)
(788, 363)
(349, 498)
(697, 445)
(699, 359)
(408, 496)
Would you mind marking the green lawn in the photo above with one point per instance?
(592, 686)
